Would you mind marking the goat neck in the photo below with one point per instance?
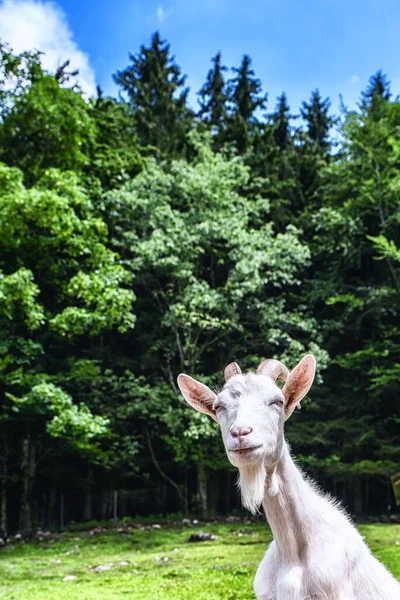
(289, 501)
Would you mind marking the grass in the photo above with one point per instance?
(147, 562)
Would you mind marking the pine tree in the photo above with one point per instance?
(158, 99)
(245, 90)
(281, 123)
(214, 98)
(377, 92)
(278, 164)
(318, 120)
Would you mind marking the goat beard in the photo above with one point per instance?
(252, 486)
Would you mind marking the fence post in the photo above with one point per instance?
(62, 512)
(115, 506)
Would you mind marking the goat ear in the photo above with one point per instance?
(197, 395)
(298, 383)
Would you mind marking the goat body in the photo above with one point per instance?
(317, 553)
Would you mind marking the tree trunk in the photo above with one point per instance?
(366, 496)
(357, 496)
(28, 465)
(3, 507)
(228, 492)
(3, 516)
(87, 507)
(52, 499)
(202, 490)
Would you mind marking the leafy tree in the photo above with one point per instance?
(155, 88)
(17, 73)
(47, 126)
(58, 283)
(115, 152)
(211, 276)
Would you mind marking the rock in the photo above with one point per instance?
(200, 536)
(69, 578)
(247, 532)
(156, 526)
(74, 549)
(185, 521)
(102, 568)
(195, 522)
(123, 563)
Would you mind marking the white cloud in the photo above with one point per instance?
(41, 25)
(354, 79)
(160, 14)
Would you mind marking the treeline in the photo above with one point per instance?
(140, 238)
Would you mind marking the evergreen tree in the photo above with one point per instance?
(275, 158)
(281, 123)
(377, 93)
(245, 90)
(214, 98)
(318, 120)
(313, 147)
(154, 85)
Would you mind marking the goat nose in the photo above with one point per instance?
(241, 431)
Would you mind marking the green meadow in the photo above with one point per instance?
(153, 561)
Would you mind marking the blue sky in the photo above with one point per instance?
(334, 45)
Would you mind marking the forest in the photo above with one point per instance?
(142, 237)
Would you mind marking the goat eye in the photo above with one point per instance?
(218, 408)
(276, 401)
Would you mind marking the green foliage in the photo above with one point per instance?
(18, 296)
(42, 115)
(386, 248)
(17, 72)
(138, 241)
(115, 154)
(65, 420)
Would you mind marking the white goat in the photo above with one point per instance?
(317, 554)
